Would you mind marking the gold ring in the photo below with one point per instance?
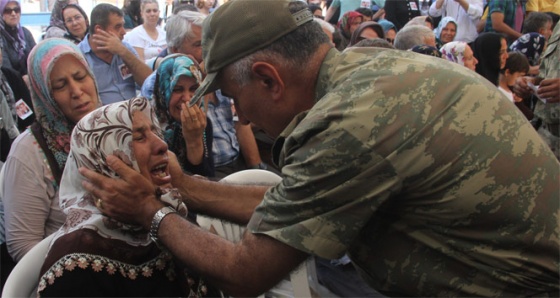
(99, 204)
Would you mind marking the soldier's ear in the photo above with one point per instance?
(269, 78)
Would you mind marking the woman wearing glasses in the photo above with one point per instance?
(76, 23)
(147, 39)
(17, 40)
(56, 24)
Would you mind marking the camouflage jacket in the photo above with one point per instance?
(429, 178)
(549, 69)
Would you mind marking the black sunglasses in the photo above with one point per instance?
(10, 10)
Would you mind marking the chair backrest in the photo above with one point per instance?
(298, 283)
(24, 278)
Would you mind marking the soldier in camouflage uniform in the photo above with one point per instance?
(422, 171)
(550, 112)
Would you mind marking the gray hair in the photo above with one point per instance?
(535, 21)
(179, 27)
(412, 35)
(325, 25)
(293, 50)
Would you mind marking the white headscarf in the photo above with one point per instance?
(454, 51)
(105, 131)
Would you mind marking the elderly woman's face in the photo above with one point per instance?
(12, 14)
(182, 93)
(448, 33)
(469, 60)
(75, 22)
(72, 88)
(149, 150)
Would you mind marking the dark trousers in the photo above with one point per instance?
(6, 265)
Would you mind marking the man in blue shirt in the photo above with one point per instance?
(115, 63)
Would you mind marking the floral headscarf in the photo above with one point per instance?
(168, 73)
(346, 21)
(454, 51)
(56, 127)
(15, 36)
(105, 131)
(442, 24)
(531, 45)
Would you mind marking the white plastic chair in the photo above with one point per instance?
(24, 278)
(302, 281)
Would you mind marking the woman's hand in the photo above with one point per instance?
(193, 121)
(130, 199)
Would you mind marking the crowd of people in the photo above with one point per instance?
(418, 144)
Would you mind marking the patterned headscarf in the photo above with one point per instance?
(56, 127)
(454, 51)
(56, 14)
(105, 131)
(442, 24)
(531, 45)
(15, 36)
(170, 69)
(426, 50)
(346, 21)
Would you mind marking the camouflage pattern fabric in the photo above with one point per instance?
(550, 112)
(425, 173)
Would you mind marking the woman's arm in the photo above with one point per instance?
(27, 198)
(140, 52)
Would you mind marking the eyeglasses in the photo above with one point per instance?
(152, 10)
(76, 19)
(8, 10)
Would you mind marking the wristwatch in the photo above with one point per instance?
(156, 221)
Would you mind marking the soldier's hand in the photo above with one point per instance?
(550, 89)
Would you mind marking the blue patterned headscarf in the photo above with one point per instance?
(56, 127)
(168, 73)
(531, 45)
